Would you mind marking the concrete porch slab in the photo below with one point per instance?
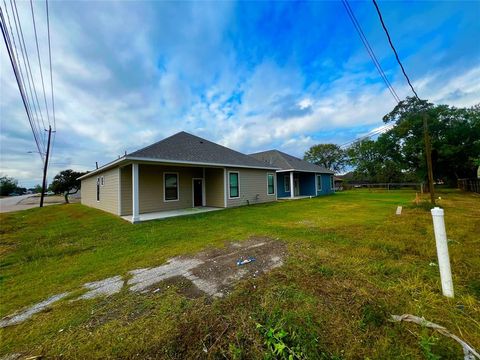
(295, 197)
(172, 213)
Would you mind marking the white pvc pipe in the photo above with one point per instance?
(442, 251)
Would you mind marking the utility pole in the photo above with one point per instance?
(44, 184)
(428, 154)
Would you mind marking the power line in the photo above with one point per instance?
(17, 59)
(379, 68)
(19, 78)
(428, 149)
(28, 70)
(50, 57)
(372, 133)
(39, 61)
(51, 78)
(8, 45)
(369, 49)
(29, 66)
(393, 48)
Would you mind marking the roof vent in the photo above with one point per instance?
(201, 141)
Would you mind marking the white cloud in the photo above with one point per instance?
(175, 68)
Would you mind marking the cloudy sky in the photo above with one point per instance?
(249, 75)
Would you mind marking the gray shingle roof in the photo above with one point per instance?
(186, 147)
(288, 162)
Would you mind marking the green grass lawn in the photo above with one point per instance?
(351, 264)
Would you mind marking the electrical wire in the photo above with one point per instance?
(372, 133)
(393, 48)
(28, 70)
(11, 55)
(39, 61)
(51, 79)
(50, 58)
(369, 49)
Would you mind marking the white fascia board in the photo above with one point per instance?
(102, 168)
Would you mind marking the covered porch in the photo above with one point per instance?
(304, 185)
(150, 191)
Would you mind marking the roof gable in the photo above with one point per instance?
(288, 162)
(186, 147)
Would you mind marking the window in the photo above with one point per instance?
(331, 183)
(170, 181)
(271, 184)
(319, 182)
(233, 185)
(98, 189)
(286, 183)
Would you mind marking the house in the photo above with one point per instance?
(178, 173)
(308, 179)
(338, 183)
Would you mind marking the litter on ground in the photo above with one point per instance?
(245, 261)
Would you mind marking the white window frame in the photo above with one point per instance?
(316, 182)
(286, 180)
(238, 177)
(164, 186)
(274, 187)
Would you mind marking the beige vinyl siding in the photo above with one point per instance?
(253, 187)
(108, 192)
(150, 188)
(214, 187)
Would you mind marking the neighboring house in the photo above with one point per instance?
(179, 172)
(338, 183)
(308, 179)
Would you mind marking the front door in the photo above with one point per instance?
(296, 186)
(197, 192)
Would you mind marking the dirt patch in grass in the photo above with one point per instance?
(212, 272)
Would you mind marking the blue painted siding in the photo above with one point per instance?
(307, 184)
(281, 185)
(326, 185)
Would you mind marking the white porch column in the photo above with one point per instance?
(292, 187)
(135, 206)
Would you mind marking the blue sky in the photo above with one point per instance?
(249, 75)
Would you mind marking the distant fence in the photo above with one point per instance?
(472, 185)
(387, 186)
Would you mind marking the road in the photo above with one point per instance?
(10, 203)
(17, 203)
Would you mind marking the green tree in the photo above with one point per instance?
(66, 182)
(8, 185)
(375, 161)
(330, 156)
(454, 132)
